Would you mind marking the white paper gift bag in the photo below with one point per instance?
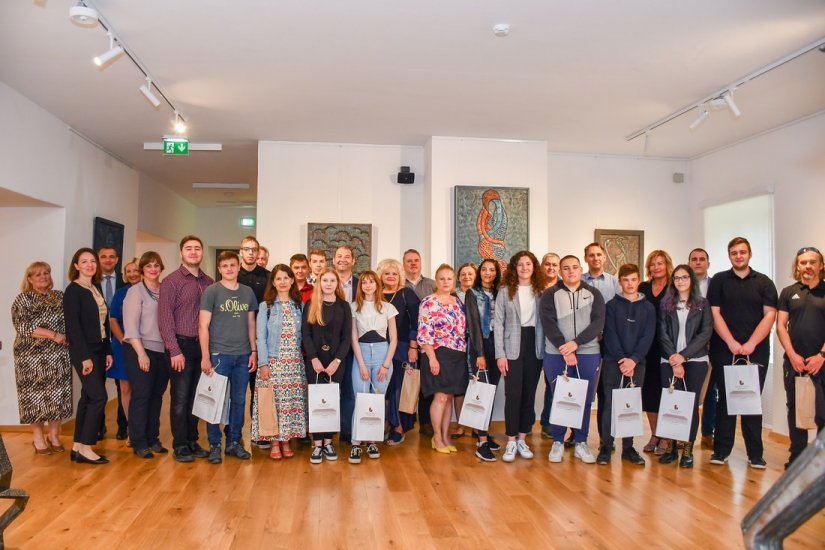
(478, 404)
(675, 413)
(324, 405)
(626, 414)
(742, 389)
(368, 418)
(211, 397)
(569, 397)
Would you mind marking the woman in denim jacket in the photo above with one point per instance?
(281, 364)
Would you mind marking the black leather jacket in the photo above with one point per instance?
(698, 329)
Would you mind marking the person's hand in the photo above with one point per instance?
(735, 347)
(206, 366)
(747, 349)
(571, 360)
(568, 348)
(87, 367)
(253, 362)
(382, 373)
(317, 366)
(60, 339)
(676, 360)
(503, 365)
(813, 364)
(798, 363)
(481, 363)
(177, 362)
(679, 371)
(435, 367)
(264, 372)
(332, 367)
(365, 374)
(143, 362)
(627, 366)
(412, 355)
(109, 362)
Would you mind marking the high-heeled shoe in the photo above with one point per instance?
(56, 448)
(452, 448)
(46, 451)
(287, 451)
(80, 459)
(442, 450)
(275, 451)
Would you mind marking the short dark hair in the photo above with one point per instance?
(346, 247)
(106, 247)
(297, 258)
(702, 250)
(570, 257)
(628, 269)
(228, 255)
(588, 247)
(188, 238)
(739, 240)
(410, 251)
(318, 252)
(148, 257)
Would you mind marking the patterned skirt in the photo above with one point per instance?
(44, 382)
(288, 382)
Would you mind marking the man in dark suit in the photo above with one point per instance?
(344, 261)
(109, 284)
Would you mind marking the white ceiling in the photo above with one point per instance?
(579, 75)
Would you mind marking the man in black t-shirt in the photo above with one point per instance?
(800, 326)
(743, 303)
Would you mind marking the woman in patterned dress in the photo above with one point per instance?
(41, 357)
(282, 368)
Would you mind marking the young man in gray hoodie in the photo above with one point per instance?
(572, 316)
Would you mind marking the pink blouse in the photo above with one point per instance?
(441, 324)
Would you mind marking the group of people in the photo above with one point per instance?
(278, 331)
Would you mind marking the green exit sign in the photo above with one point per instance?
(176, 146)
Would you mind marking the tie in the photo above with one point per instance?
(110, 289)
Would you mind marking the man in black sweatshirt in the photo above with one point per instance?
(629, 329)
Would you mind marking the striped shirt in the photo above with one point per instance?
(179, 306)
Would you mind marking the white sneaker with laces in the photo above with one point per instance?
(509, 452)
(523, 450)
(556, 452)
(583, 453)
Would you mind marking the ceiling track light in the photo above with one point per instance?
(701, 118)
(146, 90)
(179, 124)
(728, 97)
(113, 53)
(83, 16)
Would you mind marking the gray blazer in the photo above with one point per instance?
(507, 326)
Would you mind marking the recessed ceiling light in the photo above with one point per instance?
(83, 15)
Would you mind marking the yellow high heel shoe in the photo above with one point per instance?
(452, 448)
(442, 450)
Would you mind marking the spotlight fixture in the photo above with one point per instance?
(501, 30)
(728, 97)
(179, 123)
(114, 52)
(83, 16)
(700, 119)
(146, 90)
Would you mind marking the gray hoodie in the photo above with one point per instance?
(572, 315)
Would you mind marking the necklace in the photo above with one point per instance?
(152, 294)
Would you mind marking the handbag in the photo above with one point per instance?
(368, 418)
(569, 397)
(675, 412)
(478, 403)
(626, 411)
(742, 390)
(267, 411)
(805, 402)
(324, 405)
(410, 389)
(211, 398)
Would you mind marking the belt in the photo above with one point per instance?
(186, 338)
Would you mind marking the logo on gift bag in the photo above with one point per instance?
(370, 409)
(741, 382)
(675, 407)
(478, 397)
(209, 388)
(323, 401)
(569, 394)
(627, 405)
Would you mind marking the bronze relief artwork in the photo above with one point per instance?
(621, 246)
(329, 236)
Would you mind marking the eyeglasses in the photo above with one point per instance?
(681, 278)
(249, 249)
(808, 249)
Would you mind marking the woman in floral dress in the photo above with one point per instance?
(281, 364)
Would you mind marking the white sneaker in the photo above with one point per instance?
(556, 452)
(583, 452)
(523, 450)
(510, 452)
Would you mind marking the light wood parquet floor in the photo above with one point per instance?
(411, 497)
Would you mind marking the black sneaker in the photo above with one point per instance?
(184, 454)
(372, 451)
(237, 450)
(355, 454)
(317, 455)
(157, 448)
(718, 459)
(215, 454)
(757, 463)
(604, 456)
(484, 453)
(632, 456)
(143, 453)
(329, 452)
(545, 433)
(492, 444)
(198, 451)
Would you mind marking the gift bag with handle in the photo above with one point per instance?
(742, 390)
(368, 419)
(805, 403)
(626, 411)
(569, 398)
(410, 389)
(211, 397)
(675, 412)
(323, 405)
(478, 403)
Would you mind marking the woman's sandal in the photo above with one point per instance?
(661, 448)
(651, 446)
(287, 451)
(275, 451)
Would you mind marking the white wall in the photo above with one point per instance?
(790, 163)
(300, 183)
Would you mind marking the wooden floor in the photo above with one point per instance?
(410, 498)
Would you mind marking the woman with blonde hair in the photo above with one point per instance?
(659, 268)
(41, 357)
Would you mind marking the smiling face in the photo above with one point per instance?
(445, 281)
(809, 266)
(329, 283)
(487, 270)
(595, 259)
(466, 277)
(368, 286)
(739, 256)
(86, 265)
(151, 271)
(550, 265)
(282, 282)
(343, 261)
(41, 280)
(131, 273)
(229, 270)
(191, 253)
(681, 280)
(412, 265)
(390, 278)
(108, 260)
(524, 270)
(658, 267)
(263, 258)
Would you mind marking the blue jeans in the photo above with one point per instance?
(236, 368)
(373, 355)
(588, 369)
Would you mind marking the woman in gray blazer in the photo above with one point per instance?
(519, 341)
(685, 327)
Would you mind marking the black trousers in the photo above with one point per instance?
(122, 423)
(611, 378)
(93, 397)
(725, 429)
(184, 384)
(799, 438)
(520, 386)
(147, 396)
(695, 373)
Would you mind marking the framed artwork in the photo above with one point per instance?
(109, 234)
(329, 236)
(490, 222)
(621, 246)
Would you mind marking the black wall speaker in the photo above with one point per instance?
(405, 176)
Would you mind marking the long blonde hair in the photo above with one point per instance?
(316, 303)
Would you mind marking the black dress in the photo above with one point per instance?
(652, 387)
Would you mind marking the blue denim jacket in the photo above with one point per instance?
(484, 311)
(269, 332)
